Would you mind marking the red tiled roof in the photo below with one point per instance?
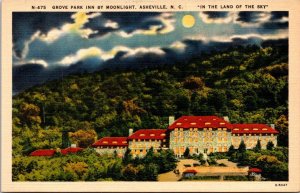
(187, 122)
(149, 134)
(71, 150)
(256, 170)
(43, 152)
(111, 141)
(190, 171)
(252, 128)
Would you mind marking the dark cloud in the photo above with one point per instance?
(249, 16)
(277, 15)
(268, 22)
(216, 14)
(277, 21)
(126, 21)
(25, 24)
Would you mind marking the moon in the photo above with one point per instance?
(188, 21)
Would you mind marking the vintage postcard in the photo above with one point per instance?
(155, 96)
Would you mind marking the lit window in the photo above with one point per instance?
(255, 129)
(264, 129)
(246, 129)
(236, 129)
(207, 123)
(105, 142)
(178, 123)
(222, 123)
(141, 135)
(152, 135)
(163, 134)
(193, 123)
(219, 129)
(224, 129)
(114, 142)
(124, 142)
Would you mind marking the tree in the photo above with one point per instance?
(282, 125)
(149, 156)
(30, 114)
(65, 139)
(270, 145)
(242, 153)
(127, 157)
(186, 153)
(83, 138)
(258, 146)
(193, 83)
(231, 150)
(242, 147)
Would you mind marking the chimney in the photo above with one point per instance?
(130, 132)
(73, 145)
(272, 125)
(171, 120)
(226, 118)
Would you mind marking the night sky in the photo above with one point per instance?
(47, 45)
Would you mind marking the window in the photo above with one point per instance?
(114, 142)
(193, 123)
(152, 134)
(124, 142)
(207, 123)
(178, 123)
(105, 142)
(220, 149)
(224, 129)
(222, 123)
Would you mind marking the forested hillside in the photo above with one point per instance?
(247, 84)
